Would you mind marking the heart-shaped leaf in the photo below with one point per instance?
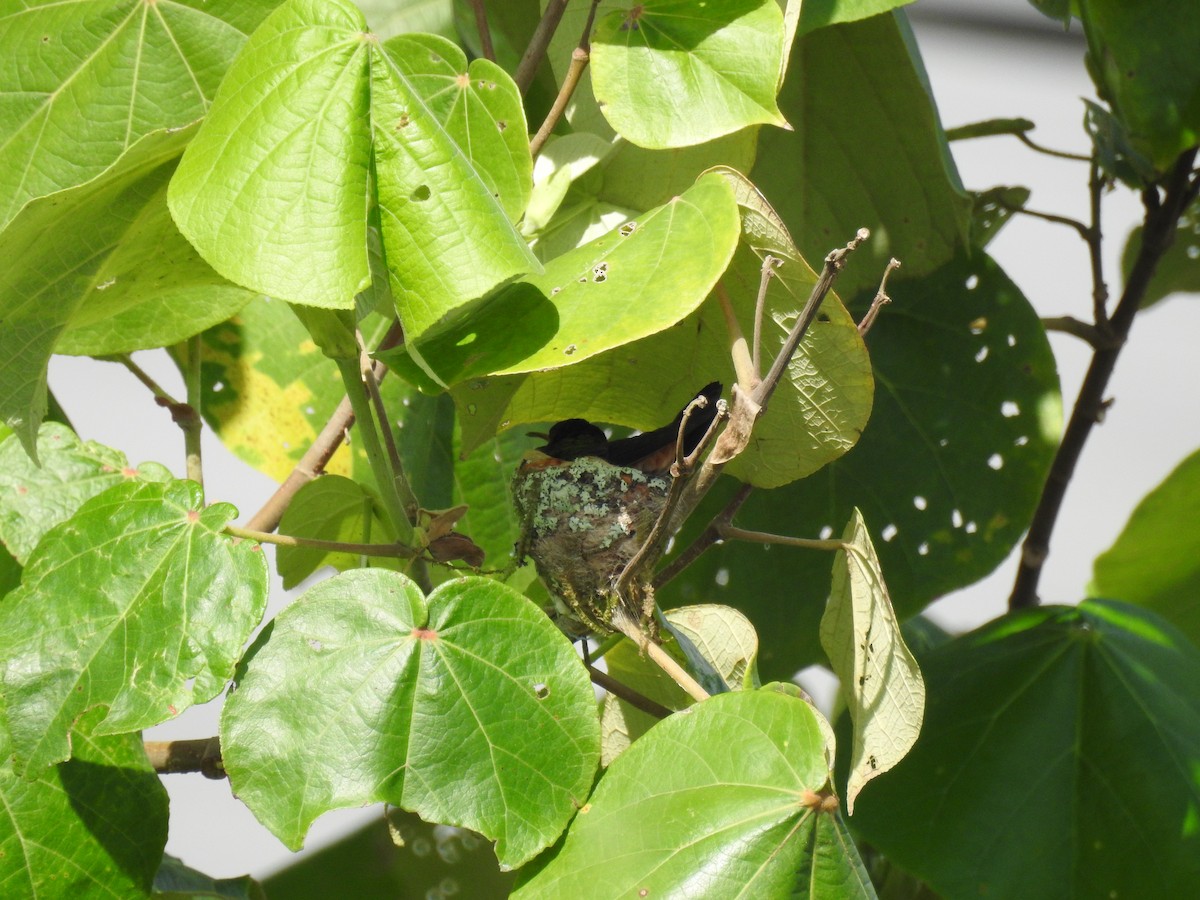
(275, 188)
(729, 800)
(88, 626)
(468, 708)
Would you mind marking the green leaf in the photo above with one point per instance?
(332, 508)
(991, 211)
(816, 14)
(177, 881)
(483, 481)
(989, 128)
(136, 605)
(945, 504)
(681, 813)
(671, 73)
(1155, 562)
(275, 188)
(103, 250)
(884, 166)
(391, 17)
(1142, 59)
(133, 67)
(1079, 723)
(400, 673)
(480, 108)
(720, 637)
(34, 498)
(880, 679)
(95, 826)
(633, 282)
(1178, 270)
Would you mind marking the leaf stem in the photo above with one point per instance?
(485, 33)
(709, 536)
(188, 417)
(1162, 214)
(536, 51)
(394, 550)
(628, 694)
(579, 60)
(622, 621)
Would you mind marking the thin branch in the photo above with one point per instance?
(623, 623)
(709, 536)
(579, 60)
(161, 397)
(1083, 230)
(744, 364)
(188, 417)
(730, 532)
(1029, 142)
(769, 265)
(536, 51)
(1095, 240)
(201, 755)
(628, 694)
(1162, 214)
(407, 496)
(881, 298)
(485, 34)
(393, 550)
(1085, 331)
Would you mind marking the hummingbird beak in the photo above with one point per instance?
(538, 434)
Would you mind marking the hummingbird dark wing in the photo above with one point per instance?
(572, 438)
(654, 451)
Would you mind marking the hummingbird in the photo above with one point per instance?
(653, 451)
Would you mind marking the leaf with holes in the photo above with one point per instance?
(135, 67)
(136, 604)
(467, 707)
(314, 122)
(669, 74)
(880, 679)
(1082, 724)
(92, 827)
(730, 800)
(34, 498)
(945, 501)
(635, 281)
(1155, 562)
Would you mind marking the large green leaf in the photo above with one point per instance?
(122, 68)
(91, 827)
(868, 150)
(34, 498)
(880, 679)
(816, 14)
(671, 73)
(137, 605)
(468, 708)
(1143, 60)
(947, 472)
(1080, 724)
(722, 802)
(274, 190)
(105, 256)
(1155, 562)
(633, 282)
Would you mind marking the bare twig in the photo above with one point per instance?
(1029, 142)
(1085, 331)
(536, 51)
(1083, 230)
(485, 34)
(733, 533)
(1160, 221)
(1095, 239)
(407, 496)
(579, 60)
(769, 264)
(184, 414)
(628, 694)
(706, 538)
(881, 298)
(201, 755)
(744, 364)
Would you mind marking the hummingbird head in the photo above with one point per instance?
(572, 438)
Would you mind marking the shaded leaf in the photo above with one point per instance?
(1178, 270)
(946, 501)
(816, 14)
(176, 881)
(313, 94)
(94, 826)
(134, 67)
(136, 604)
(669, 74)
(880, 679)
(680, 814)
(399, 674)
(1079, 723)
(1142, 58)
(1155, 562)
(332, 508)
(34, 498)
(991, 211)
(885, 167)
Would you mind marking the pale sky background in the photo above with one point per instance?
(984, 59)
